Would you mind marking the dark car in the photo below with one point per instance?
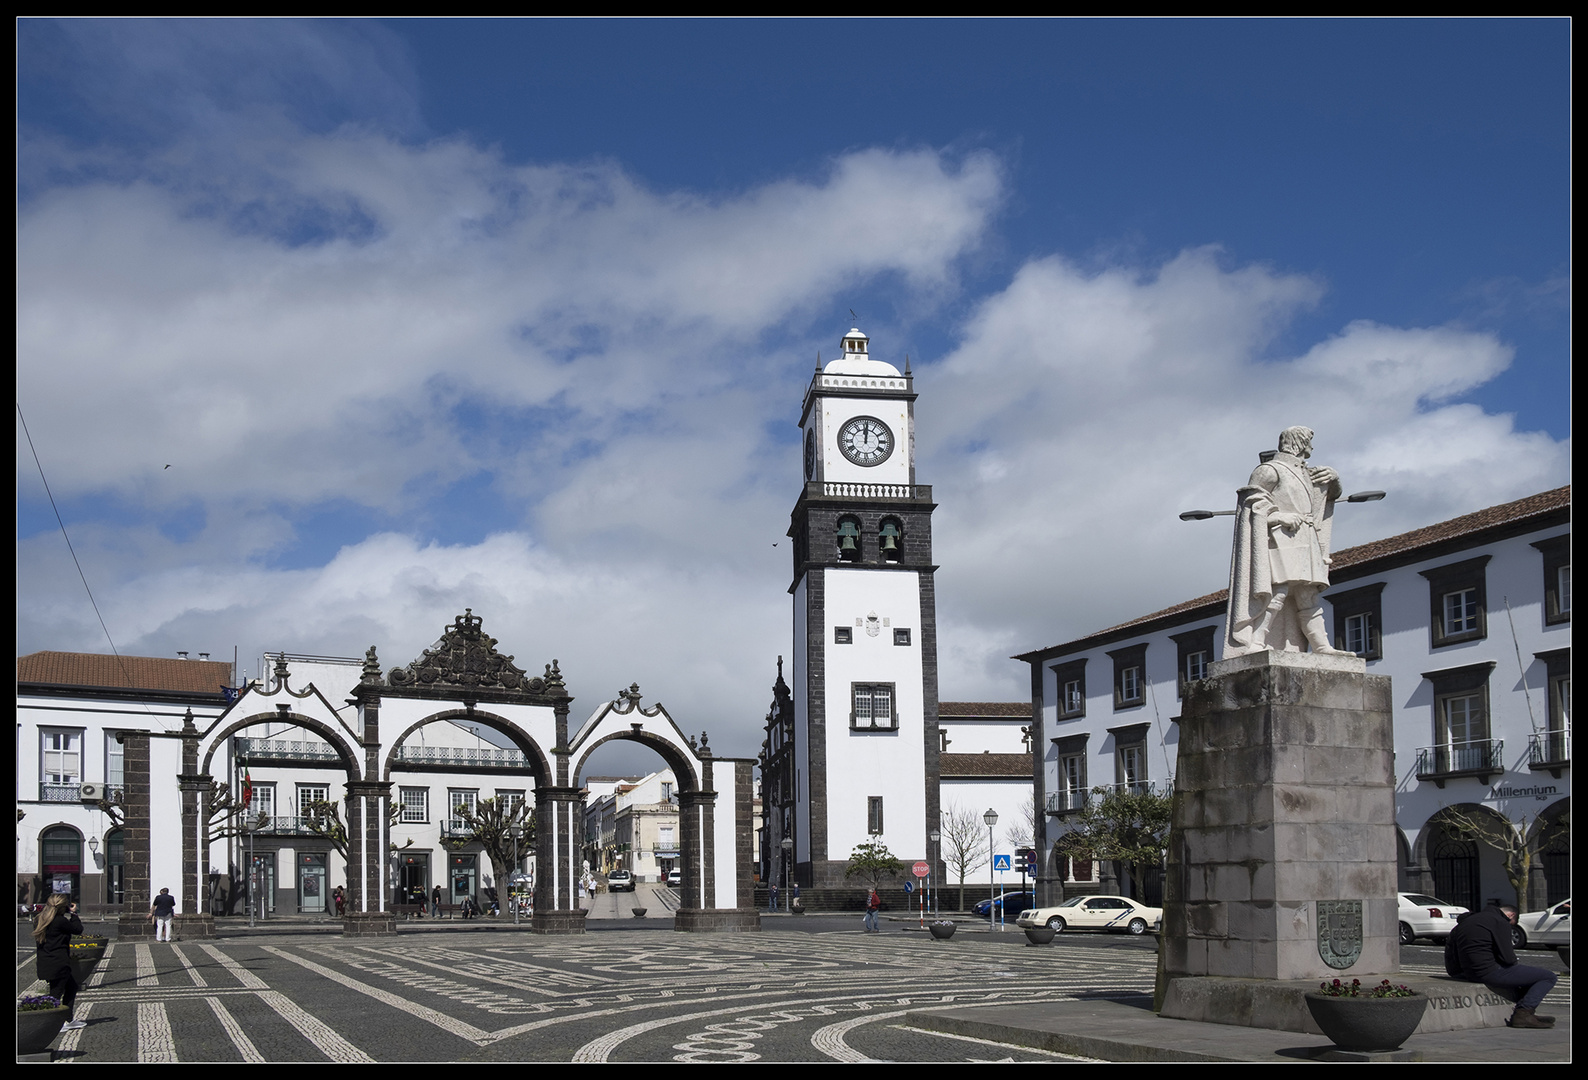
(1010, 903)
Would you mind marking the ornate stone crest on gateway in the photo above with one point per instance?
(466, 660)
(1339, 932)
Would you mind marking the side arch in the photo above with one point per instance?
(215, 740)
(683, 768)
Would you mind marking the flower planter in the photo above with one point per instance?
(1040, 935)
(799, 908)
(639, 912)
(941, 931)
(37, 1027)
(1365, 1023)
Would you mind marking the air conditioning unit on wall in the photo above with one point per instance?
(91, 792)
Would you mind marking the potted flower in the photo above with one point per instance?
(1373, 1018)
(942, 929)
(86, 953)
(39, 1019)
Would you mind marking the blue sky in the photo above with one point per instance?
(517, 316)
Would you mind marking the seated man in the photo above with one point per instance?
(1479, 950)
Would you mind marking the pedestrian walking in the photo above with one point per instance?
(435, 902)
(160, 913)
(772, 897)
(341, 901)
(52, 934)
(873, 905)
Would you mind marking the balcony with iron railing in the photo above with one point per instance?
(61, 793)
(1067, 802)
(266, 750)
(1481, 758)
(274, 825)
(490, 757)
(1549, 750)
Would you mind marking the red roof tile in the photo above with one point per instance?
(127, 672)
(984, 708)
(995, 765)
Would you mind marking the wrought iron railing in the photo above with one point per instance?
(286, 750)
(285, 826)
(462, 755)
(1060, 802)
(1479, 755)
(1549, 747)
(60, 792)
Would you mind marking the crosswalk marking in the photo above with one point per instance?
(156, 1044)
(68, 1042)
(324, 1039)
(193, 972)
(238, 972)
(245, 1045)
(143, 957)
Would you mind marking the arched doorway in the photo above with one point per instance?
(61, 861)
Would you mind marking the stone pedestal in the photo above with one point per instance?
(1284, 827)
(568, 921)
(368, 923)
(717, 920)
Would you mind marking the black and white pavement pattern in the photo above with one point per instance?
(822, 992)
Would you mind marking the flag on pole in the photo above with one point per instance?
(248, 788)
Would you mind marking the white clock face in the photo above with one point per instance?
(865, 440)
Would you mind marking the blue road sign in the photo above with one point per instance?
(909, 887)
(1001, 863)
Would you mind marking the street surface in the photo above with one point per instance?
(811, 989)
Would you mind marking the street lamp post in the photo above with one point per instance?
(934, 836)
(787, 844)
(991, 818)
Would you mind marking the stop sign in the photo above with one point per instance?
(920, 869)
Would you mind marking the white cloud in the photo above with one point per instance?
(1083, 411)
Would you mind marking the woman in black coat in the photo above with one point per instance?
(53, 932)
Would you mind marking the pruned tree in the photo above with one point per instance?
(229, 815)
(964, 843)
(1517, 850)
(1129, 827)
(325, 820)
(490, 824)
(872, 861)
(1023, 829)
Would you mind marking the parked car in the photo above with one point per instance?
(1008, 903)
(675, 877)
(1552, 926)
(1426, 916)
(620, 881)
(1095, 913)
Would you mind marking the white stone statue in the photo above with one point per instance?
(1280, 561)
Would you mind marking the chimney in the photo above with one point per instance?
(204, 656)
(181, 655)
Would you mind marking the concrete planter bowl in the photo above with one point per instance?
(639, 912)
(1367, 1024)
(942, 931)
(1040, 935)
(37, 1027)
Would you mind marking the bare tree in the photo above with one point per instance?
(964, 843)
(325, 820)
(1517, 851)
(491, 823)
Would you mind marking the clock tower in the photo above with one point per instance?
(865, 623)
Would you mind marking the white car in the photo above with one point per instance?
(1552, 926)
(620, 881)
(1425, 916)
(1095, 913)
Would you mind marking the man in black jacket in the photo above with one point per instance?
(1479, 950)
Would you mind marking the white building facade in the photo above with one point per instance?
(1471, 620)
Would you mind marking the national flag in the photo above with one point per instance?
(248, 788)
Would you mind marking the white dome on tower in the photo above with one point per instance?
(856, 359)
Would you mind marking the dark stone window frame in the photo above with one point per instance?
(1552, 751)
(1130, 737)
(1557, 557)
(1067, 747)
(1074, 671)
(1467, 681)
(893, 706)
(1188, 644)
(901, 635)
(1455, 578)
(874, 824)
(1132, 656)
(1366, 600)
(843, 635)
